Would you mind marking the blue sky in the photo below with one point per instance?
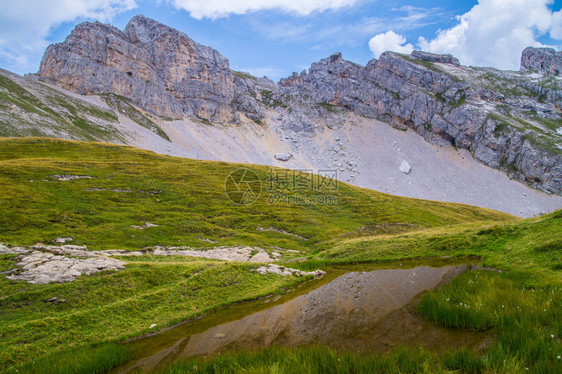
(277, 37)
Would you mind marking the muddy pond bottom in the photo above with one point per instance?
(363, 312)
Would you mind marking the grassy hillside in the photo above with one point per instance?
(533, 246)
(114, 306)
(60, 115)
(519, 301)
(186, 198)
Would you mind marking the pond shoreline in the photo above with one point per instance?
(234, 314)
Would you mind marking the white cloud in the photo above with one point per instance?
(494, 32)
(222, 8)
(556, 29)
(25, 24)
(389, 41)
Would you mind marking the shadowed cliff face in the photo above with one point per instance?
(508, 120)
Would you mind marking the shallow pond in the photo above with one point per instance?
(353, 308)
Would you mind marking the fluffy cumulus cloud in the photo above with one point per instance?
(389, 41)
(494, 32)
(556, 29)
(25, 24)
(222, 8)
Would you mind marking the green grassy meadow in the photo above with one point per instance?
(521, 305)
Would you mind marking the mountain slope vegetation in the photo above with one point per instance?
(95, 193)
(123, 186)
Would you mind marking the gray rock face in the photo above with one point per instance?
(46, 264)
(501, 117)
(42, 264)
(158, 68)
(247, 91)
(432, 57)
(251, 254)
(545, 60)
(507, 120)
(281, 270)
(42, 268)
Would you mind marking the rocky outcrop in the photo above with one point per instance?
(281, 270)
(544, 60)
(46, 264)
(42, 264)
(493, 114)
(432, 57)
(158, 68)
(249, 93)
(251, 254)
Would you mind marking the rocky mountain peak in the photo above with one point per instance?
(544, 60)
(508, 120)
(432, 57)
(156, 67)
(142, 30)
(333, 67)
(335, 57)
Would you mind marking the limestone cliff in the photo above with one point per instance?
(544, 60)
(159, 68)
(507, 120)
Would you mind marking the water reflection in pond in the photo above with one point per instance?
(358, 311)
